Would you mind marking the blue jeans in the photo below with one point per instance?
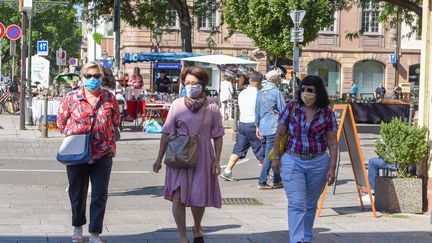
(304, 181)
(267, 163)
(374, 165)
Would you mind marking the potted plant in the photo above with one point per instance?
(404, 146)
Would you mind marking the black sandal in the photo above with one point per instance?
(199, 239)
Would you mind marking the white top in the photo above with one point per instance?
(227, 90)
(246, 103)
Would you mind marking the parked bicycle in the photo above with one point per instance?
(9, 101)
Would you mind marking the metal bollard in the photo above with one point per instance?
(411, 114)
(44, 129)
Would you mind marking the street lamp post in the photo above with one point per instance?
(158, 38)
(28, 116)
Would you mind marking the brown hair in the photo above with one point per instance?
(199, 72)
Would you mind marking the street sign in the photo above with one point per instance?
(42, 48)
(40, 68)
(297, 39)
(13, 32)
(108, 63)
(73, 62)
(297, 16)
(61, 57)
(297, 31)
(2, 30)
(393, 58)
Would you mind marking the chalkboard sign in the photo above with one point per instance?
(348, 129)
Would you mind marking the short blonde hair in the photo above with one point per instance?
(90, 65)
(273, 76)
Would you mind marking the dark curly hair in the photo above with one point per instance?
(320, 90)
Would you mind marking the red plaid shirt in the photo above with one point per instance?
(308, 138)
(74, 117)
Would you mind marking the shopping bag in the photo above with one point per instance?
(153, 125)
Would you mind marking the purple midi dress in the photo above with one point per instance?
(198, 186)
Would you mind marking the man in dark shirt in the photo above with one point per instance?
(163, 83)
(380, 91)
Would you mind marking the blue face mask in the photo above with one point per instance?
(193, 91)
(92, 84)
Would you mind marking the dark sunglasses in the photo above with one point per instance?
(95, 76)
(309, 90)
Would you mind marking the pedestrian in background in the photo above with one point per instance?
(226, 93)
(269, 104)
(193, 187)
(75, 116)
(136, 83)
(246, 135)
(306, 166)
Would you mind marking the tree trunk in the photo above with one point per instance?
(185, 23)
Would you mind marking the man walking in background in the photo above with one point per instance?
(226, 92)
(246, 136)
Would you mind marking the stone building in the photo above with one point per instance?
(365, 59)
(332, 56)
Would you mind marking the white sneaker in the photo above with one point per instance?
(77, 236)
(95, 238)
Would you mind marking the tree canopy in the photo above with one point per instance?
(268, 23)
(58, 25)
(154, 14)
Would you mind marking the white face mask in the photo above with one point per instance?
(308, 98)
(193, 90)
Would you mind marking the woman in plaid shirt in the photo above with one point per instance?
(306, 166)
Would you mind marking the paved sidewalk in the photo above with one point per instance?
(35, 208)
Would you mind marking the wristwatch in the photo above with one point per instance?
(276, 157)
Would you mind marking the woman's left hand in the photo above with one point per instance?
(216, 168)
(330, 176)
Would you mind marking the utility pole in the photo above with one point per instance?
(23, 69)
(117, 36)
(297, 35)
(29, 59)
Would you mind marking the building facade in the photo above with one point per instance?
(337, 59)
(366, 58)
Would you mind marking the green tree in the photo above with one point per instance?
(268, 22)
(59, 26)
(153, 14)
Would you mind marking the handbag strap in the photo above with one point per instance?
(203, 118)
(269, 106)
(98, 105)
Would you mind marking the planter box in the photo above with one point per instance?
(398, 195)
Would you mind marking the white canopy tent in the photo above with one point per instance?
(219, 60)
(213, 63)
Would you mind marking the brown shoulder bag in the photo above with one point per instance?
(182, 151)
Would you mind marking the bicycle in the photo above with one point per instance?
(9, 102)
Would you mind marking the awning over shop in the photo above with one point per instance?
(219, 59)
(157, 56)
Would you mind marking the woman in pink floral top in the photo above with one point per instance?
(136, 82)
(75, 116)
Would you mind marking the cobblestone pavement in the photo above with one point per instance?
(35, 208)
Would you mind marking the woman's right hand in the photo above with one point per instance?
(157, 165)
(275, 164)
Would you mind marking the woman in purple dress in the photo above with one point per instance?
(194, 187)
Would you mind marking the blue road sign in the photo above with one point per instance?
(108, 63)
(13, 32)
(42, 48)
(393, 58)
